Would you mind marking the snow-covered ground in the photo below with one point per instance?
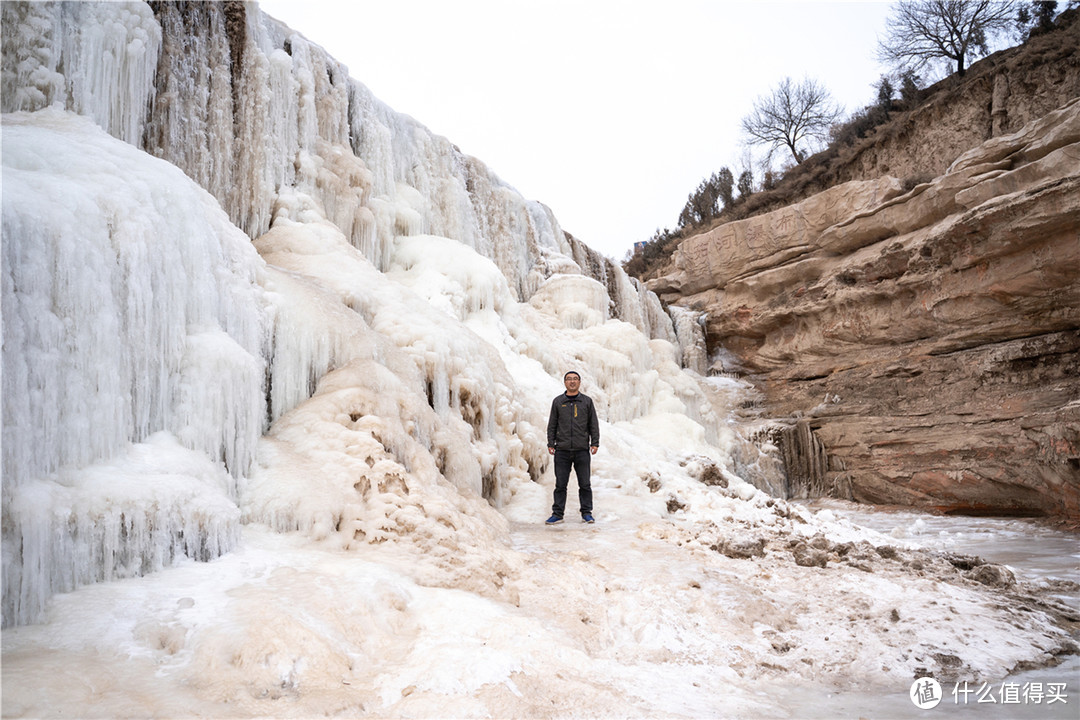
(270, 480)
(615, 619)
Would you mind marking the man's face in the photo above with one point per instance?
(572, 383)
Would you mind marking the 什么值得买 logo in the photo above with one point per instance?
(925, 693)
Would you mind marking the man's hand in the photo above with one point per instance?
(593, 449)
(551, 450)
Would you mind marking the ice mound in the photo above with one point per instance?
(433, 352)
(363, 463)
(137, 513)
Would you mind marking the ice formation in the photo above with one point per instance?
(130, 307)
(135, 307)
(255, 318)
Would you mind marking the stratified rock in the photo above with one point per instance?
(928, 340)
(744, 248)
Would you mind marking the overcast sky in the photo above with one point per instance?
(609, 112)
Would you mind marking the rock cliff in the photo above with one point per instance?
(925, 341)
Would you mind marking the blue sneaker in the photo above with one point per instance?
(586, 517)
(554, 520)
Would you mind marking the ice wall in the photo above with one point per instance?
(128, 304)
(245, 106)
(130, 308)
(146, 344)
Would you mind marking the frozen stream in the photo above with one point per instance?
(1031, 549)
(611, 620)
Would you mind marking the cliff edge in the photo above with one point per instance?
(925, 342)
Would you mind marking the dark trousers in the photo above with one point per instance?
(579, 460)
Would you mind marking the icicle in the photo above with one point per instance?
(690, 334)
(117, 276)
(107, 54)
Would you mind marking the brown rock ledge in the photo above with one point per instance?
(929, 339)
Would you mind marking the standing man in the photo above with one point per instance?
(573, 435)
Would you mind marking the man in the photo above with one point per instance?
(573, 435)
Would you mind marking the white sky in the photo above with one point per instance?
(608, 112)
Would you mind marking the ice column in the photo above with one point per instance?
(690, 337)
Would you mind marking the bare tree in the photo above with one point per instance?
(791, 115)
(921, 31)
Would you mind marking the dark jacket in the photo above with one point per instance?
(572, 424)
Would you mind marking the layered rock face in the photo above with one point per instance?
(927, 339)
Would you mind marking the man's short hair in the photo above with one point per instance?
(571, 372)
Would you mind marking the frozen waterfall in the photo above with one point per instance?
(245, 106)
(137, 310)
